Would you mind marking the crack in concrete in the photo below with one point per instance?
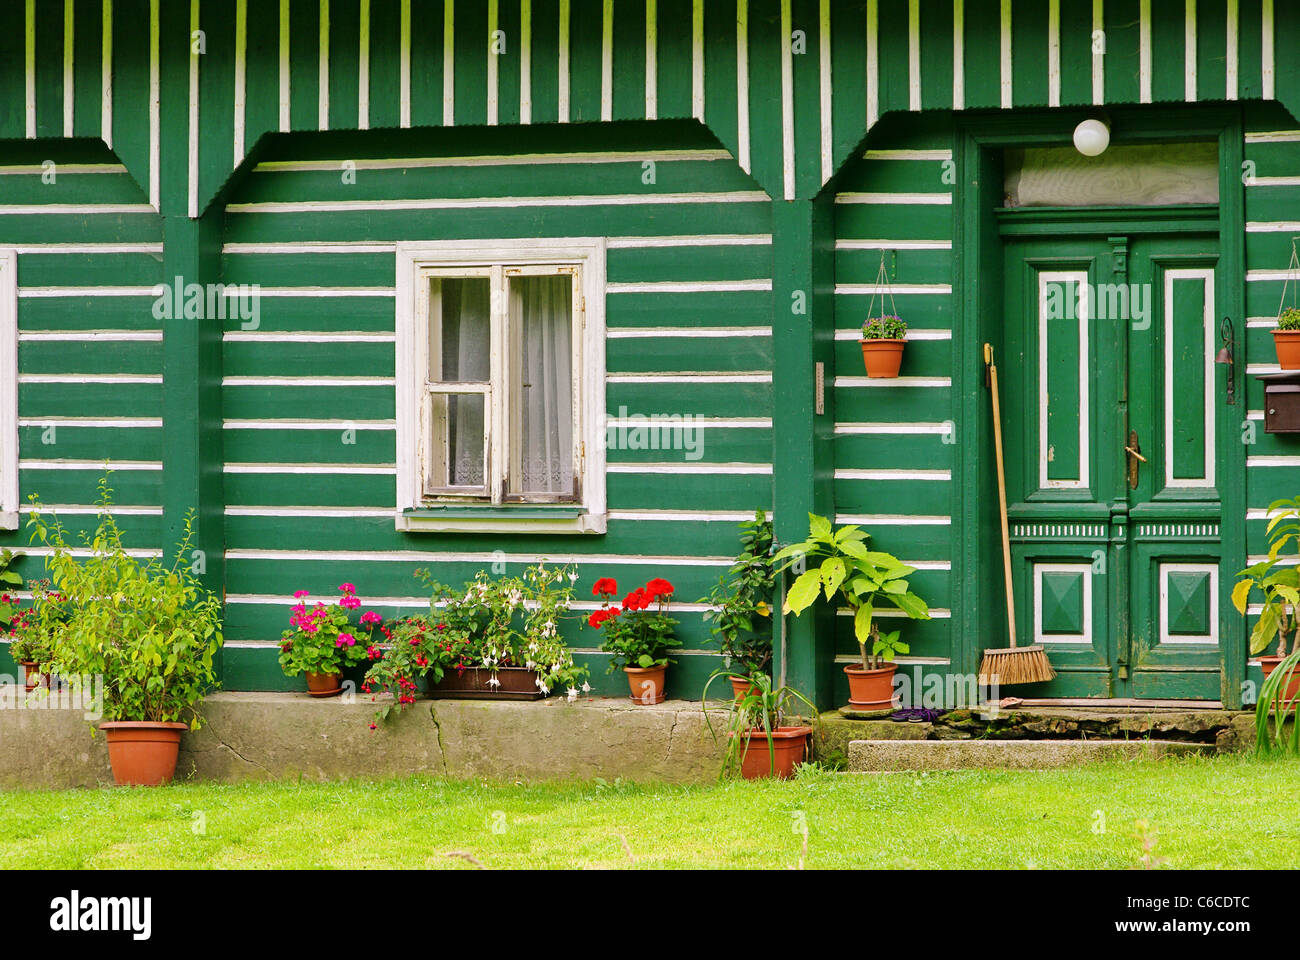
(223, 743)
(442, 750)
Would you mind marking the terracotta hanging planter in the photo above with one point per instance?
(1287, 343)
(324, 684)
(646, 684)
(882, 358)
(789, 747)
(741, 688)
(1292, 691)
(871, 689)
(142, 754)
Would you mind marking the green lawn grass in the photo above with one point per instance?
(1224, 812)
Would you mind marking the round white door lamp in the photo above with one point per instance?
(1091, 138)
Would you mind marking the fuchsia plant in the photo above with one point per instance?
(323, 639)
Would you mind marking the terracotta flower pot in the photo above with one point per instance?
(871, 689)
(742, 688)
(646, 684)
(32, 677)
(142, 754)
(1292, 691)
(789, 747)
(882, 357)
(1287, 343)
(324, 684)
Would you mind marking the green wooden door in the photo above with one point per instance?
(1112, 439)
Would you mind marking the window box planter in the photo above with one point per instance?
(472, 684)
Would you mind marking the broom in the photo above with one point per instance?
(1010, 665)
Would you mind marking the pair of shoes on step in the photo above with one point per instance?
(916, 715)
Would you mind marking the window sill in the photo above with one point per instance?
(525, 518)
(9, 520)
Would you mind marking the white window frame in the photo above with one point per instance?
(8, 390)
(418, 511)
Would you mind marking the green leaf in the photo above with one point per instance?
(803, 592)
(832, 574)
(1240, 594)
(862, 623)
(1264, 632)
(912, 605)
(819, 527)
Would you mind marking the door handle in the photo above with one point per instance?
(1134, 451)
(1136, 454)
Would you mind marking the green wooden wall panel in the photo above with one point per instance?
(544, 69)
(216, 80)
(720, 64)
(130, 488)
(1168, 52)
(1122, 19)
(49, 69)
(13, 38)
(730, 309)
(688, 353)
(385, 102)
(685, 263)
(87, 313)
(1076, 51)
(68, 441)
(91, 357)
(1211, 50)
(936, 18)
(1029, 52)
(982, 43)
(470, 54)
(1250, 33)
(258, 359)
(87, 68)
(344, 63)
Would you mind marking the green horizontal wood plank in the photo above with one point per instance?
(40, 227)
(345, 444)
(87, 313)
(902, 265)
(880, 175)
(927, 311)
(54, 440)
(343, 402)
(750, 308)
(688, 353)
(687, 263)
(926, 638)
(70, 188)
(89, 399)
(925, 498)
(659, 491)
(286, 489)
(89, 269)
(310, 269)
(1272, 160)
(1273, 203)
(919, 451)
(921, 358)
(893, 404)
(52, 356)
(290, 314)
(130, 488)
(643, 443)
(246, 359)
(896, 221)
(701, 399)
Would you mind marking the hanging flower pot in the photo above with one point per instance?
(1286, 339)
(883, 355)
(871, 689)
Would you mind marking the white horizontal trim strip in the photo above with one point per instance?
(854, 429)
(892, 520)
(908, 199)
(1274, 136)
(876, 289)
(891, 474)
(308, 381)
(78, 209)
(240, 291)
(113, 465)
(680, 516)
(901, 660)
(1272, 226)
(481, 557)
(1262, 368)
(855, 333)
(893, 244)
(1273, 182)
(97, 422)
(140, 552)
(855, 382)
(339, 512)
(1277, 461)
(61, 169)
(1257, 275)
(692, 468)
(90, 336)
(89, 509)
(704, 240)
(359, 469)
(89, 378)
(689, 378)
(54, 248)
(709, 286)
(936, 154)
(936, 613)
(502, 160)
(696, 423)
(331, 425)
(272, 336)
(311, 246)
(675, 333)
(54, 292)
(473, 203)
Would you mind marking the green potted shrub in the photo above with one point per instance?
(146, 629)
(1286, 339)
(739, 607)
(883, 339)
(760, 741)
(861, 579)
(322, 641)
(637, 637)
(1279, 586)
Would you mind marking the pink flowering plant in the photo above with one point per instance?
(322, 638)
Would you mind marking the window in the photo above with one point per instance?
(8, 390)
(500, 385)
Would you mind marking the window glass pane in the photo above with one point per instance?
(456, 450)
(540, 390)
(459, 329)
(1138, 174)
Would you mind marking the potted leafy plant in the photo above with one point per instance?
(414, 650)
(322, 641)
(861, 579)
(739, 607)
(883, 339)
(1286, 339)
(760, 742)
(1280, 587)
(30, 641)
(637, 637)
(148, 629)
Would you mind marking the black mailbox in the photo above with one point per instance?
(1281, 401)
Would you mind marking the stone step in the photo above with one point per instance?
(878, 756)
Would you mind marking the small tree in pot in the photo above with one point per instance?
(637, 637)
(740, 606)
(861, 578)
(138, 636)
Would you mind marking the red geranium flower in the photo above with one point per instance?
(638, 599)
(658, 587)
(605, 586)
(598, 617)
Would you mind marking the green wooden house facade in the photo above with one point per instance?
(715, 183)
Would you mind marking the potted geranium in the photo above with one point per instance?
(137, 636)
(637, 637)
(1286, 339)
(322, 640)
(413, 651)
(861, 579)
(739, 607)
(883, 339)
(30, 638)
(760, 742)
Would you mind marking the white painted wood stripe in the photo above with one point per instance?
(106, 73)
(109, 423)
(69, 46)
(914, 55)
(908, 154)
(1274, 226)
(1189, 50)
(1231, 54)
(87, 509)
(84, 248)
(607, 61)
(711, 240)
(341, 469)
(323, 68)
(873, 63)
(448, 63)
(1004, 58)
(363, 67)
(155, 112)
(693, 286)
(936, 613)
(1273, 461)
(35, 170)
(310, 247)
(322, 425)
(482, 557)
(471, 203)
(908, 199)
(869, 289)
(671, 333)
(501, 160)
(1098, 52)
(937, 476)
(1260, 275)
(652, 59)
(341, 382)
(742, 84)
(958, 55)
(1273, 182)
(493, 67)
(787, 103)
(896, 383)
(86, 552)
(193, 157)
(1144, 51)
(268, 336)
(111, 379)
(1054, 53)
(404, 64)
(132, 466)
(562, 63)
(697, 56)
(341, 512)
(892, 520)
(90, 336)
(526, 61)
(60, 292)
(720, 469)
(1269, 81)
(825, 97)
(855, 333)
(890, 429)
(893, 244)
(79, 209)
(241, 79)
(284, 66)
(328, 292)
(29, 65)
(702, 423)
(692, 377)
(683, 516)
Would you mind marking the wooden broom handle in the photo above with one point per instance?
(1002, 492)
